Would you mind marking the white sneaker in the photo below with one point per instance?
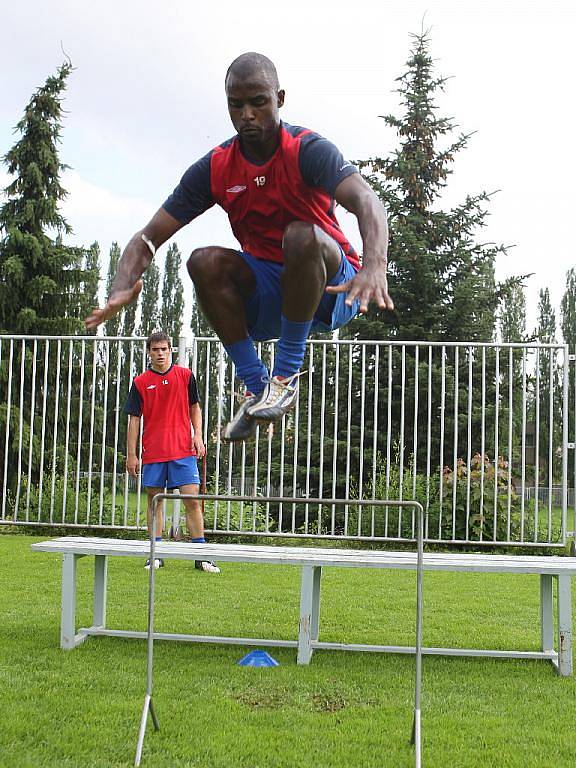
(158, 563)
(242, 426)
(278, 397)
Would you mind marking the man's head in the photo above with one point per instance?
(254, 98)
(159, 348)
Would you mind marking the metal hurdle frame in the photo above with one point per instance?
(148, 707)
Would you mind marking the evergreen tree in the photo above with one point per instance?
(513, 314)
(40, 280)
(547, 384)
(91, 267)
(113, 326)
(172, 303)
(150, 316)
(441, 277)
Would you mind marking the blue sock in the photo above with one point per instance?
(158, 538)
(249, 367)
(291, 347)
(199, 540)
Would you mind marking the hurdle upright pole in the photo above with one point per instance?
(148, 703)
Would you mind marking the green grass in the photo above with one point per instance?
(82, 708)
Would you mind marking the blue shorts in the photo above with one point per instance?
(171, 474)
(264, 307)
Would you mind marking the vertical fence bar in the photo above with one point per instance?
(510, 429)
(348, 428)
(401, 446)
(67, 435)
(119, 356)
(335, 439)
(537, 448)
(92, 421)
(456, 416)
(375, 430)
(7, 433)
(388, 435)
(523, 449)
(32, 416)
(415, 437)
(551, 386)
(106, 347)
(55, 428)
(496, 443)
(361, 438)
(20, 426)
(442, 417)
(43, 431)
(482, 442)
(80, 423)
(469, 441)
(126, 475)
(309, 438)
(565, 416)
(429, 439)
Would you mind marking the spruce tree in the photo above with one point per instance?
(40, 280)
(442, 279)
(172, 302)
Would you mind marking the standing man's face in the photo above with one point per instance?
(254, 104)
(160, 354)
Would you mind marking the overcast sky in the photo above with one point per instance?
(146, 99)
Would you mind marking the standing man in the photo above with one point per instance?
(296, 271)
(166, 397)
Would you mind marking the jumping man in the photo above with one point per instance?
(296, 272)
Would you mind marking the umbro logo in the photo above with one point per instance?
(347, 164)
(151, 386)
(236, 189)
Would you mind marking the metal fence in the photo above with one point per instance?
(466, 429)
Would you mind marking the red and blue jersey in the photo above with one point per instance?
(296, 184)
(164, 400)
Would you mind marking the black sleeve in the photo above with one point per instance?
(322, 164)
(133, 405)
(192, 391)
(193, 195)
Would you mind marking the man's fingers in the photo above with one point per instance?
(113, 306)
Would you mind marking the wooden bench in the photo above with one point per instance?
(311, 561)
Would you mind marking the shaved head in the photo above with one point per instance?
(251, 64)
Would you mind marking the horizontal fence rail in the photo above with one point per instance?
(479, 434)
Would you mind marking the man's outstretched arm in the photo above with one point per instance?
(371, 283)
(134, 261)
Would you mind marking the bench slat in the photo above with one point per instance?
(311, 556)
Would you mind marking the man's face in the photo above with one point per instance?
(254, 104)
(160, 355)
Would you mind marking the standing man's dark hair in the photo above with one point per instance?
(295, 272)
(158, 336)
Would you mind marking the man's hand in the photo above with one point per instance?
(199, 446)
(369, 284)
(115, 304)
(133, 465)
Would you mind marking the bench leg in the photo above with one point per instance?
(546, 612)
(309, 612)
(564, 625)
(315, 618)
(100, 581)
(68, 615)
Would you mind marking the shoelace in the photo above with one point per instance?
(278, 387)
